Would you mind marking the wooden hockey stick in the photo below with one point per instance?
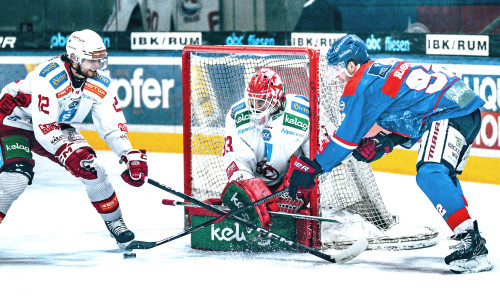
(272, 213)
(354, 250)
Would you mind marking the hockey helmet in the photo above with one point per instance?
(348, 48)
(86, 44)
(264, 93)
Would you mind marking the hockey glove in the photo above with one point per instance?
(137, 167)
(238, 194)
(303, 174)
(373, 148)
(78, 161)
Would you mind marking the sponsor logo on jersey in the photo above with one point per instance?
(242, 118)
(231, 169)
(94, 89)
(295, 122)
(69, 114)
(16, 146)
(266, 135)
(289, 132)
(237, 108)
(59, 79)
(243, 130)
(56, 139)
(123, 127)
(48, 68)
(64, 92)
(102, 79)
(300, 108)
(46, 128)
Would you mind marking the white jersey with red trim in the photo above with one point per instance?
(47, 99)
(264, 151)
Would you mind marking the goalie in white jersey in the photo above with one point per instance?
(263, 132)
(36, 116)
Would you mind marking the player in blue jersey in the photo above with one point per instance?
(412, 102)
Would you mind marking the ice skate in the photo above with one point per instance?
(470, 255)
(120, 232)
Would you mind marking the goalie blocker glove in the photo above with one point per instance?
(303, 174)
(137, 167)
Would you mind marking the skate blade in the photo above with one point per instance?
(473, 265)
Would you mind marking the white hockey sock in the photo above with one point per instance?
(12, 185)
(464, 226)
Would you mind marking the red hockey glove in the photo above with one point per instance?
(373, 148)
(303, 174)
(137, 167)
(78, 161)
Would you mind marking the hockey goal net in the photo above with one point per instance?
(215, 77)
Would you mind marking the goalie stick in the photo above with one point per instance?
(354, 250)
(272, 213)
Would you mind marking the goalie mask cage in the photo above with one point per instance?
(215, 77)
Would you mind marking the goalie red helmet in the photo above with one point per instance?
(264, 94)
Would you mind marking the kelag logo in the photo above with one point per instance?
(59, 41)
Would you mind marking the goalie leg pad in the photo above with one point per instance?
(238, 194)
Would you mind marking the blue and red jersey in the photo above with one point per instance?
(400, 97)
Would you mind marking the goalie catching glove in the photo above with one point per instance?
(303, 172)
(238, 194)
(137, 167)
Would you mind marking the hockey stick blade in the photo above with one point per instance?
(346, 255)
(140, 245)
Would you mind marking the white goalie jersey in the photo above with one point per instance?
(264, 151)
(46, 99)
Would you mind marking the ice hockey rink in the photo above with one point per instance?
(53, 245)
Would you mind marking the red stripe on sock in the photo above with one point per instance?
(457, 218)
(2, 216)
(108, 205)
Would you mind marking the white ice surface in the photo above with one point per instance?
(53, 245)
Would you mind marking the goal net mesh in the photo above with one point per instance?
(217, 78)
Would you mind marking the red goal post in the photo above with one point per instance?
(215, 77)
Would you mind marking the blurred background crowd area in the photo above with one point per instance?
(419, 16)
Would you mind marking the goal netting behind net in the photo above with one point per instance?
(215, 77)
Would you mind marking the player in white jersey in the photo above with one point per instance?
(263, 132)
(36, 116)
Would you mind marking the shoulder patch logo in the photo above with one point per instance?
(59, 79)
(237, 108)
(300, 108)
(49, 68)
(102, 79)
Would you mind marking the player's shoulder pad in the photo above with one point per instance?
(297, 105)
(238, 108)
(54, 72)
